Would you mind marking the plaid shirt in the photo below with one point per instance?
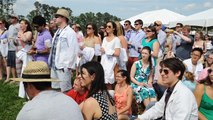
(52, 60)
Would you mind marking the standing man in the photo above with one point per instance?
(161, 37)
(178, 102)
(12, 35)
(183, 50)
(43, 42)
(128, 29)
(45, 103)
(134, 44)
(176, 39)
(64, 52)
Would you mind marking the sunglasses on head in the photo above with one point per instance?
(166, 71)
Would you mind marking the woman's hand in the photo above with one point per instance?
(102, 50)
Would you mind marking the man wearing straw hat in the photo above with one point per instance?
(63, 55)
(44, 102)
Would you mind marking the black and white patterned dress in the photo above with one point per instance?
(101, 97)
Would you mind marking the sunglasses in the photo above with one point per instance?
(126, 24)
(148, 31)
(155, 24)
(57, 16)
(136, 24)
(166, 71)
(209, 70)
(89, 28)
(109, 26)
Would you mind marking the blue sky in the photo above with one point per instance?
(120, 8)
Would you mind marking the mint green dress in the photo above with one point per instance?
(206, 106)
(150, 44)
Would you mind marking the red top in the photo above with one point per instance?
(76, 96)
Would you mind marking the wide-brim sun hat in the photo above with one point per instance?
(36, 71)
(63, 13)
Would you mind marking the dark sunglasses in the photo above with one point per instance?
(166, 71)
(209, 70)
(136, 24)
(57, 16)
(155, 24)
(148, 31)
(109, 26)
(89, 28)
(126, 24)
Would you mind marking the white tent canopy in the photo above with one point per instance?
(164, 15)
(203, 19)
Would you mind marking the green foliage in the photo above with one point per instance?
(98, 18)
(10, 103)
(46, 11)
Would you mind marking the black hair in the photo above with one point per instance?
(198, 49)
(124, 73)
(175, 65)
(150, 56)
(6, 25)
(94, 27)
(98, 84)
(39, 20)
(139, 21)
(153, 29)
(128, 22)
(181, 25)
(113, 26)
(41, 86)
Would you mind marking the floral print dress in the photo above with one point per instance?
(142, 75)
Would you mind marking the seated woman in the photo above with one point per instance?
(78, 93)
(123, 95)
(204, 96)
(142, 78)
(99, 104)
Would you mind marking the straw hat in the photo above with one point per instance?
(36, 71)
(63, 13)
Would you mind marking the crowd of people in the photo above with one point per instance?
(120, 71)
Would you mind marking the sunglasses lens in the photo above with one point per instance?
(209, 70)
(164, 70)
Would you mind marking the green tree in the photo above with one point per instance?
(98, 18)
(46, 11)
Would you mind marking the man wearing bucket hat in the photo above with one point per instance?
(63, 55)
(44, 102)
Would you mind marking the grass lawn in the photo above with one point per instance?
(10, 103)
